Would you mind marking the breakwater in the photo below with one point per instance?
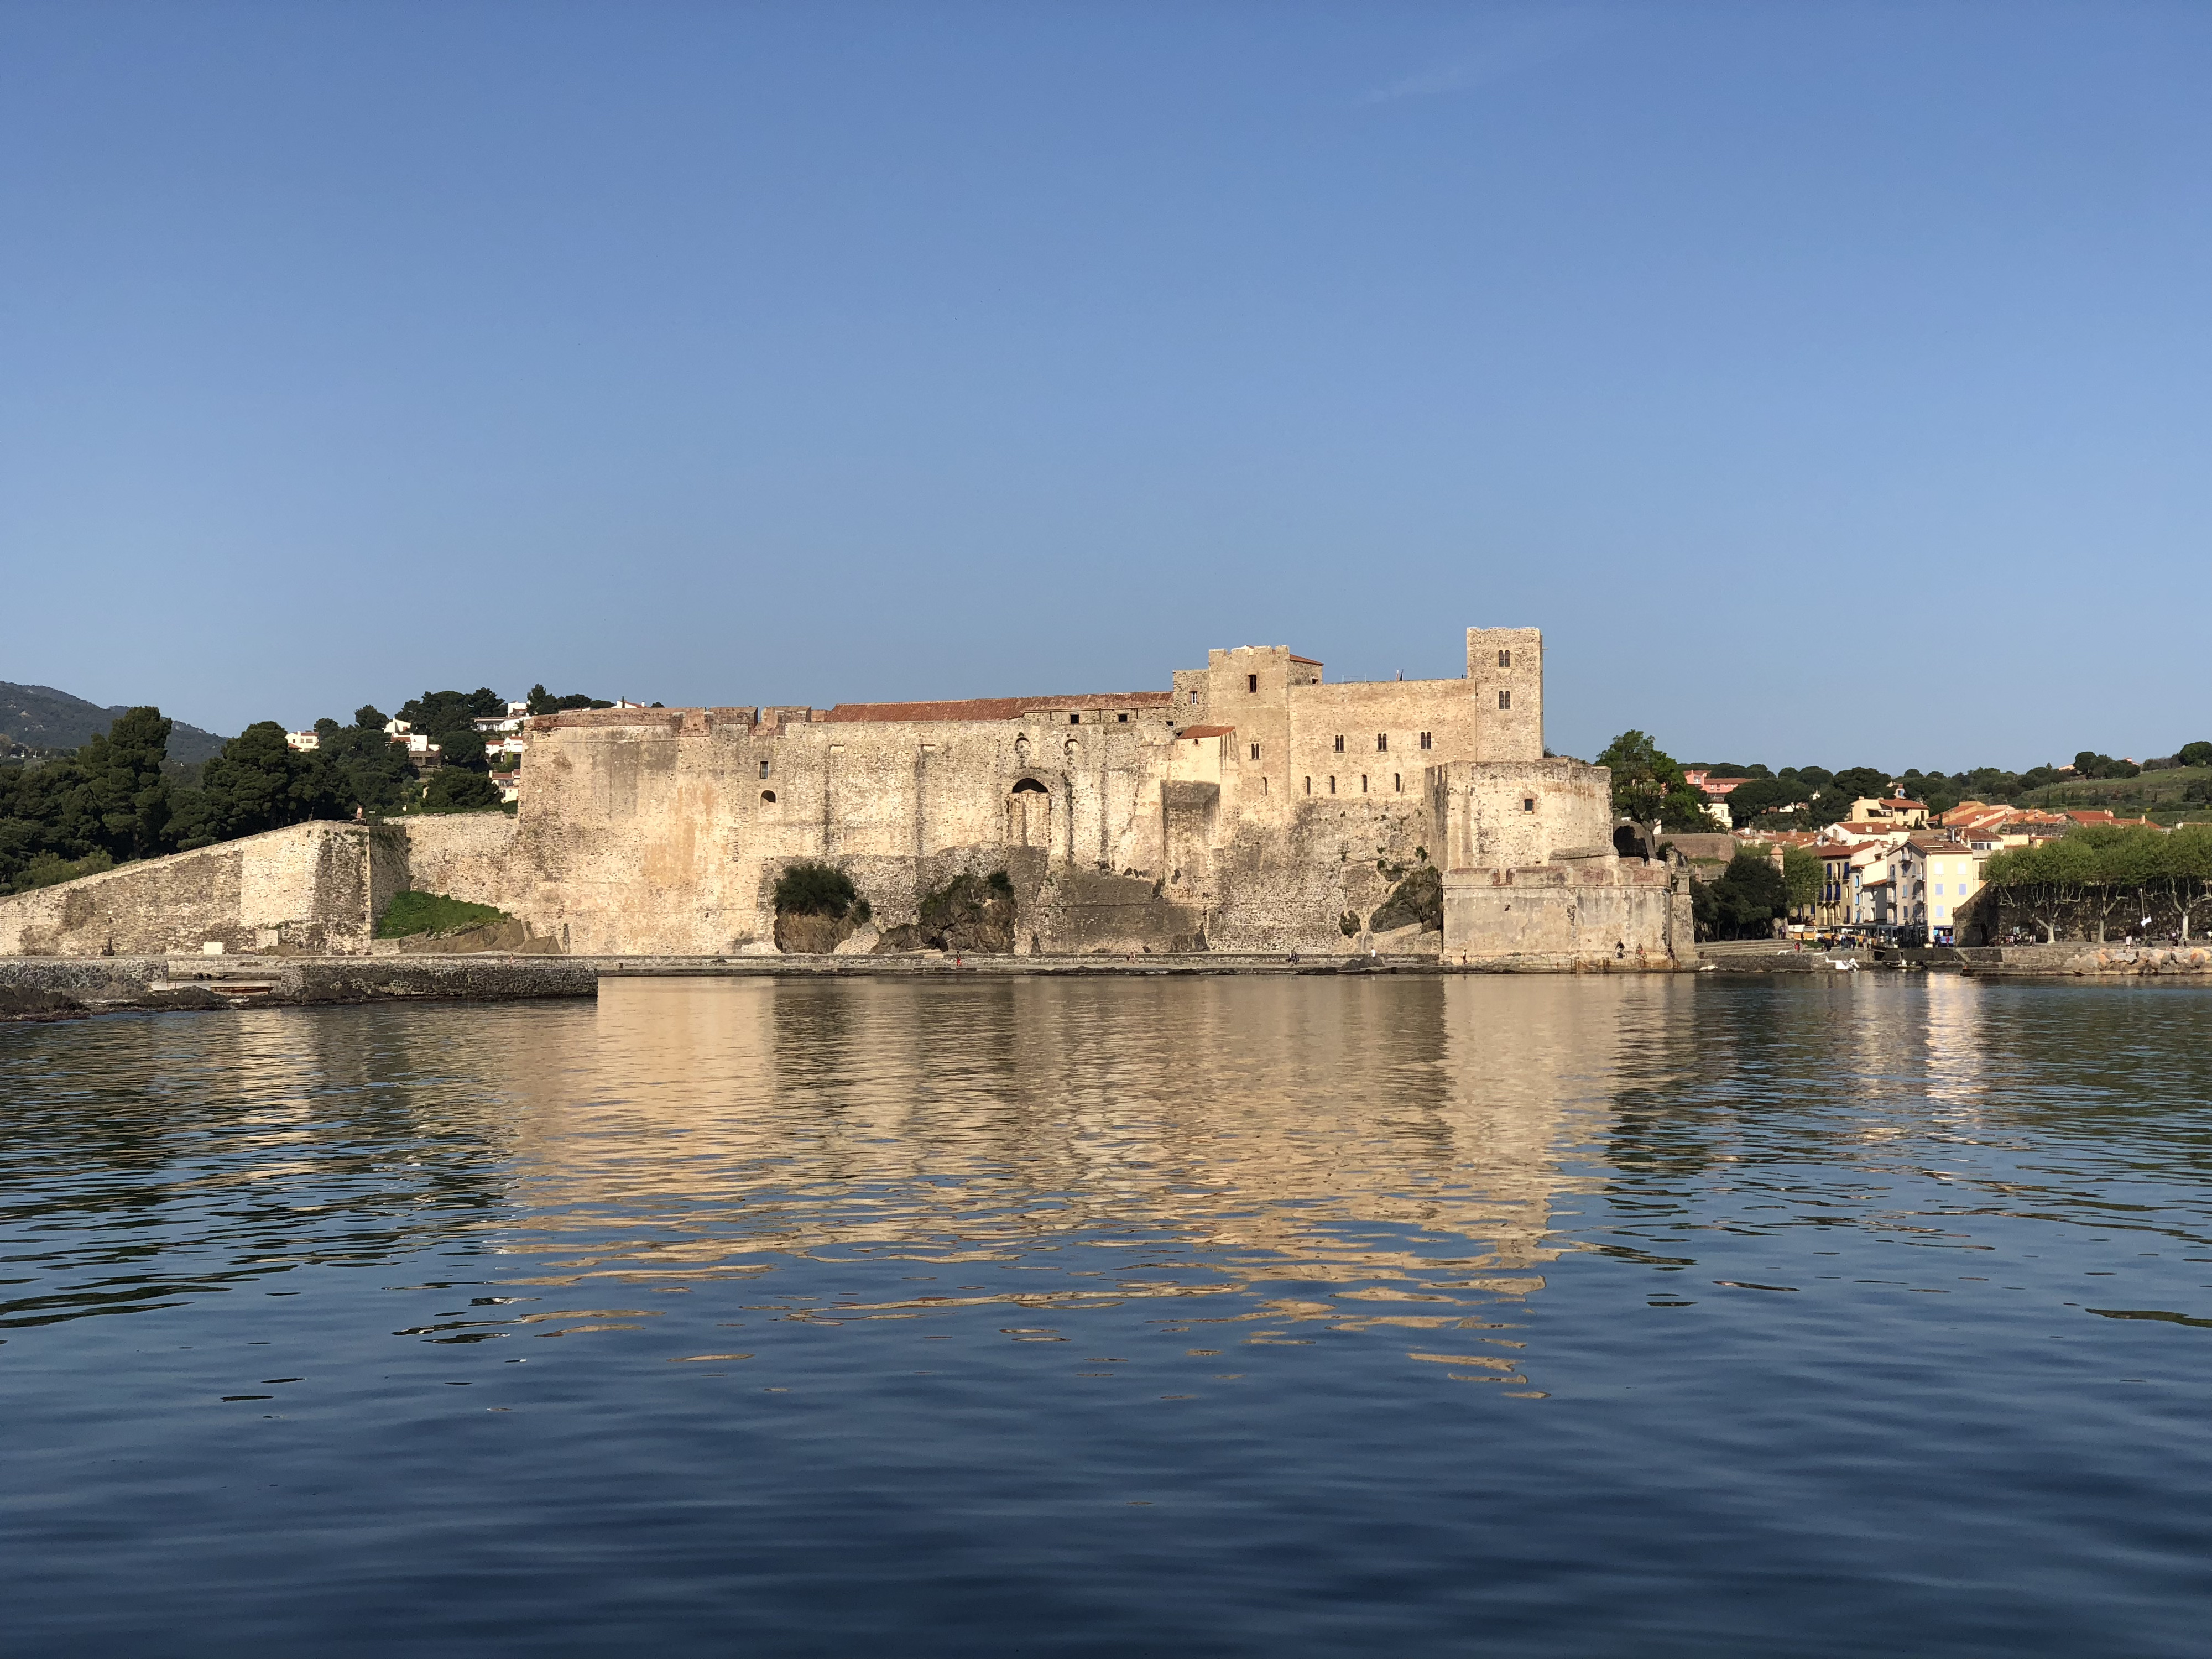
(55, 987)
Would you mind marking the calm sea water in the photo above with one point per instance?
(1576, 1318)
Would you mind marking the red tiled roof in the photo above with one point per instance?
(1311, 662)
(993, 708)
(1206, 730)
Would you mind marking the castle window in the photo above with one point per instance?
(1309, 786)
(763, 769)
(1363, 783)
(1505, 660)
(1505, 700)
(1256, 751)
(1382, 743)
(1251, 682)
(1124, 718)
(1194, 697)
(1075, 720)
(1332, 784)
(1340, 744)
(1398, 782)
(1425, 740)
(1528, 802)
(769, 796)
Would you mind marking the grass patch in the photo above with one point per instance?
(409, 913)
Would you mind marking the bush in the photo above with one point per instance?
(1743, 903)
(454, 791)
(814, 890)
(49, 868)
(431, 913)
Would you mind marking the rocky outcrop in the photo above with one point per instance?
(799, 933)
(1416, 902)
(2142, 959)
(506, 936)
(970, 913)
(20, 1002)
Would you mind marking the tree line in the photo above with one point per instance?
(109, 802)
(1649, 786)
(1817, 797)
(2096, 873)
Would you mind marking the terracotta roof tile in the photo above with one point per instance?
(993, 708)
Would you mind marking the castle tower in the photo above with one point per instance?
(1505, 674)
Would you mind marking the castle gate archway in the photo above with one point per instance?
(1029, 814)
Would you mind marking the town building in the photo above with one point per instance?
(1889, 812)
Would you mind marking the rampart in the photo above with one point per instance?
(308, 889)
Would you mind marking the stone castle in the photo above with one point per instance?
(1253, 807)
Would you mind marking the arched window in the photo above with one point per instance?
(769, 796)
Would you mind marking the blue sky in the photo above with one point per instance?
(1832, 383)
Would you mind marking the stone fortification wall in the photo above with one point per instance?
(1550, 918)
(1256, 807)
(666, 834)
(1531, 876)
(464, 855)
(305, 889)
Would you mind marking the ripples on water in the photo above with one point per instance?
(1197, 1315)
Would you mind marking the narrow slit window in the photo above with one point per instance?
(1309, 786)
(763, 769)
(1256, 751)
(1332, 783)
(1363, 783)
(1339, 742)
(1398, 783)
(1382, 743)
(1251, 682)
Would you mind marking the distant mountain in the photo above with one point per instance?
(47, 718)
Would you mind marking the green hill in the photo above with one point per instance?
(2179, 792)
(42, 718)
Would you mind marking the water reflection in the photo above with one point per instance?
(1656, 1317)
(1396, 1130)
